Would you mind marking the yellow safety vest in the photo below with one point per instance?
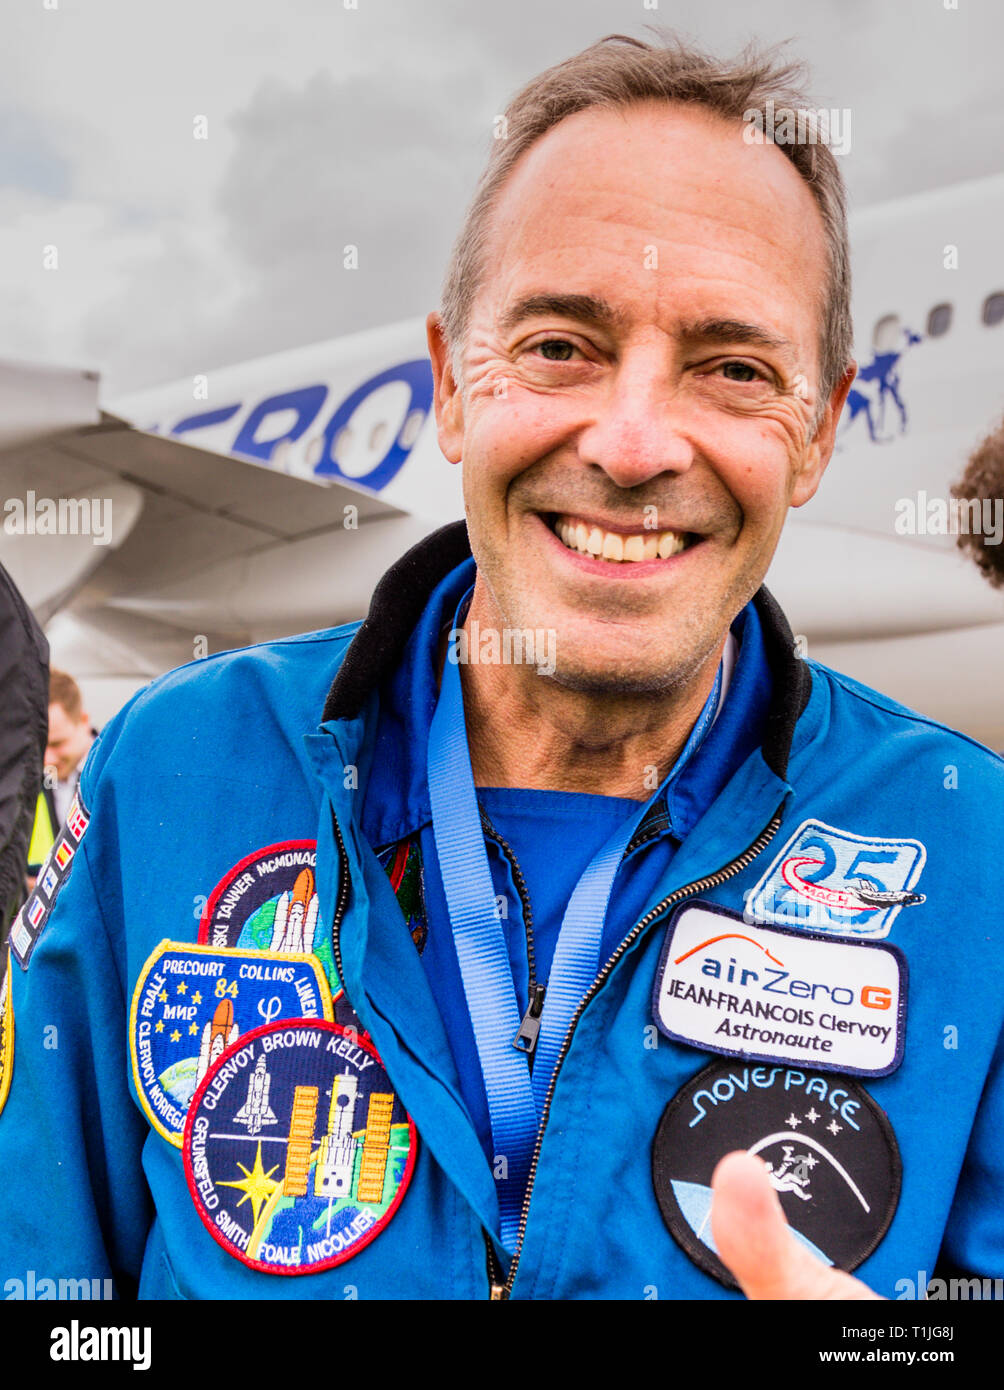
(43, 835)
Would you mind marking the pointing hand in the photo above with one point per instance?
(754, 1240)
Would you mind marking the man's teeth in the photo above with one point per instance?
(614, 545)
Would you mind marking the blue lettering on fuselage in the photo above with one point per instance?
(254, 441)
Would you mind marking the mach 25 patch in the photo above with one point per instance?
(831, 1153)
(297, 1150)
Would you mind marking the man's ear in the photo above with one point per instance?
(448, 398)
(819, 451)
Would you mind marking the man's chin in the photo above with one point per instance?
(618, 678)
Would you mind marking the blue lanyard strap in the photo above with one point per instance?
(481, 950)
(515, 1102)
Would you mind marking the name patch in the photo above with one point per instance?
(297, 1150)
(775, 995)
(193, 1002)
(830, 1151)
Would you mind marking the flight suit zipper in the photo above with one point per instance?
(699, 886)
(498, 1290)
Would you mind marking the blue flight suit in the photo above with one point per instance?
(223, 757)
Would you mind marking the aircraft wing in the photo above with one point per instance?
(102, 520)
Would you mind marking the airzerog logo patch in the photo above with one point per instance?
(297, 1150)
(193, 1002)
(770, 994)
(832, 1155)
(832, 881)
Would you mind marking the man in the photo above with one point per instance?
(69, 741)
(598, 883)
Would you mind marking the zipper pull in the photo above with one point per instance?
(498, 1294)
(526, 1038)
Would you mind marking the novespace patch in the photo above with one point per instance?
(773, 995)
(830, 1151)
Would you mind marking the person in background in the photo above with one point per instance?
(983, 481)
(68, 742)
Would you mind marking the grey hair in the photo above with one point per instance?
(618, 71)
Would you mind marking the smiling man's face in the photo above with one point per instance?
(640, 382)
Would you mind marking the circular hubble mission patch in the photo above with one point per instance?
(297, 1150)
(832, 1155)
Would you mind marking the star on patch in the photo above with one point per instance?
(159, 1027)
(793, 1121)
(175, 1036)
(834, 1128)
(812, 1115)
(162, 996)
(182, 988)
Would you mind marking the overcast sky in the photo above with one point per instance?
(369, 126)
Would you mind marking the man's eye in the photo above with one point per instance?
(555, 350)
(739, 371)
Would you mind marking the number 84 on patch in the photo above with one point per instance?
(829, 880)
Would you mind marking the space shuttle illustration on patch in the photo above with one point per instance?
(217, 1036)
(256, 1111)
(296, 917)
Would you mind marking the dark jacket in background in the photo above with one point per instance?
(24, 731)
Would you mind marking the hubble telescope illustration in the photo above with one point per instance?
(337, 1154)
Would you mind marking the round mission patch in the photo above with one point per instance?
(268, 902)
(832, 1155)
(297, 1150)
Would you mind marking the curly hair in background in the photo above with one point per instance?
(984, 480)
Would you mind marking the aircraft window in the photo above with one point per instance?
(939, 320)
(341, 444)
(377, 434)
(410, 429)
(993, 309)
(886, 334)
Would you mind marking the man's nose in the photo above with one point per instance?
(642, 428)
